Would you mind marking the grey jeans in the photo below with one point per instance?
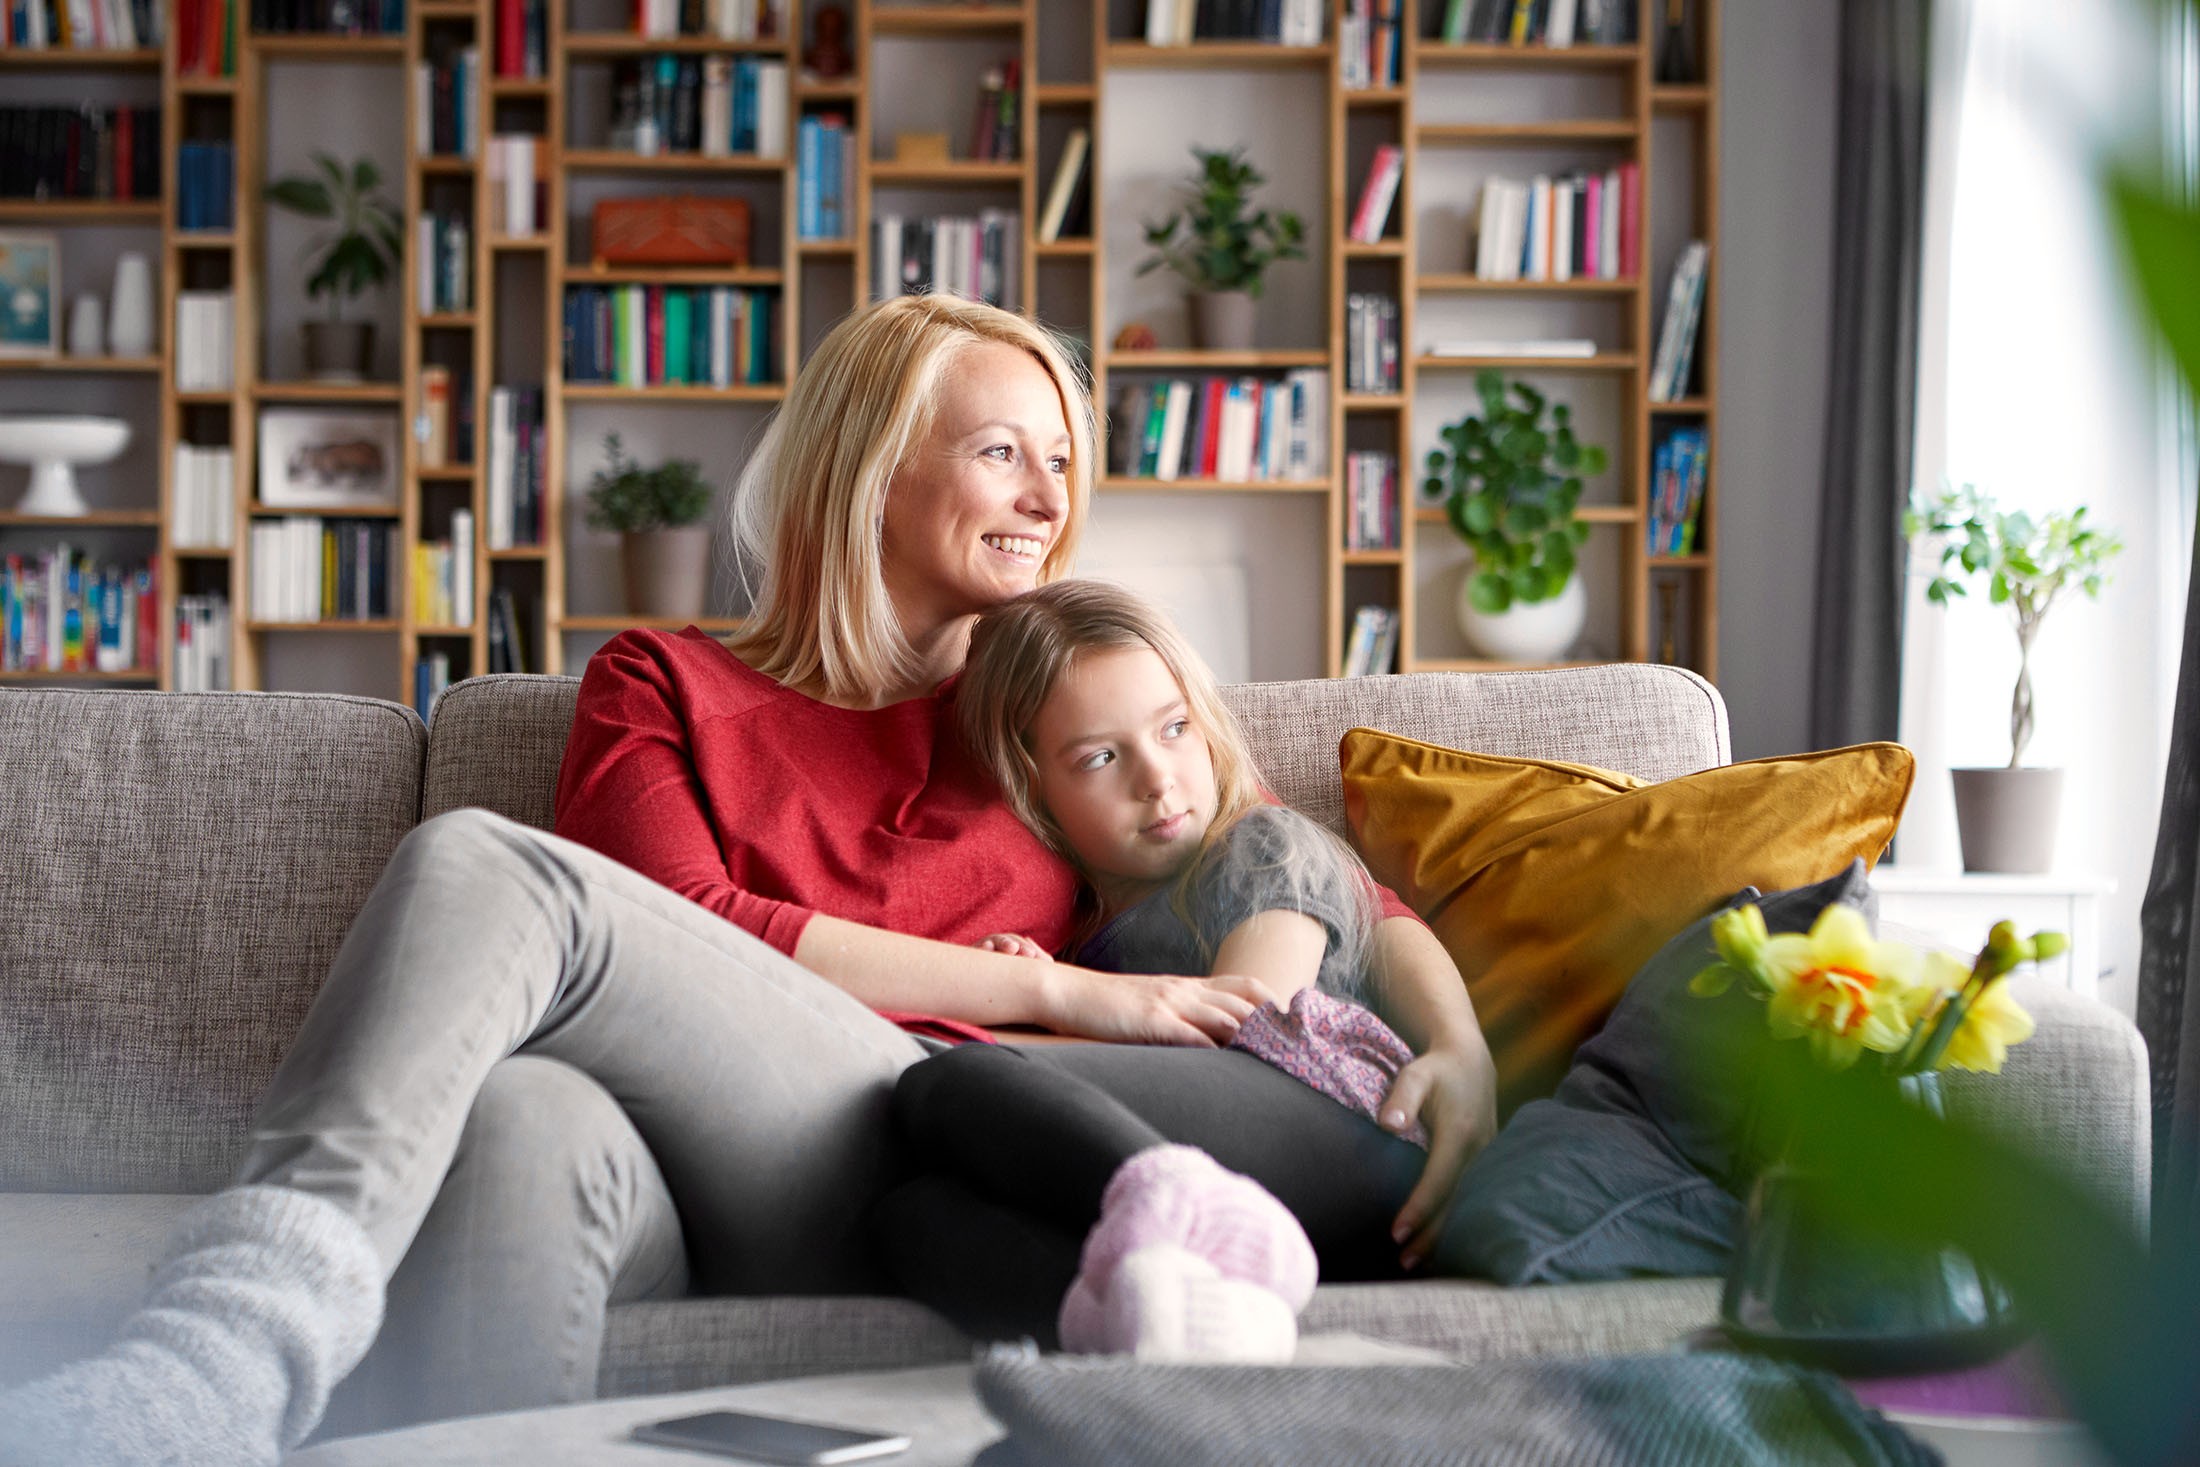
(675, 1078)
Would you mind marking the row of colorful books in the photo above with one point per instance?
(203, 497)
(443, 278)
(825, 165)
(1679, 465)
(1235, 430)
(1369, 40)
(81, 152)
(727, 20)
(657, 335)
(710, 106)
(518, 462)
(202, 643)
(443, 576)
(1371, 646)
(976, 258)
(446, 103)
(1675, 362)
(306, 568)
(206, 37)
(79, 25)
(1371, 505)
(206, 185)
(63, 611)
(1584, 226)
(1541, 22)
(1371, 342)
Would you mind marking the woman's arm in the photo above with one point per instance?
(889, 970)
(1452, 1086)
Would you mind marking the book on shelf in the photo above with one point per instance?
(825, 169)
(206, 35)
(80, 25)
(993, 125)
(1069, 172)
(80, 152)
(1372, 645)
(432, 427)
(202, 497)
(522, 33)
(1371, 510)
(1540, 22)
(309, 569)
(1372, 212)
(725, 20)
(443, 576)
(1676, 357)
(329, 17)
(205, 341)
(515, 467)
(1236, 430)
(1583, 226)
(1284, 22)
(699, 106)
(61, 610)
(1556, 347)
(446, 97)
(1679, 467)
(1369, 39)
(202, 644)
(1371, 342)
(518, 168)
(669, 335)
(206, 185)
(431, 675)
(442, 261)
(976, 258)
(507, 647)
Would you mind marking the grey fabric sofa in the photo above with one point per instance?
(176, 872)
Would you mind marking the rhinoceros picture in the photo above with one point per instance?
(316, 458)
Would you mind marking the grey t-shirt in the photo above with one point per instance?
(1272, 860)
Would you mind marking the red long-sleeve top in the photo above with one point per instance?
(767, 806)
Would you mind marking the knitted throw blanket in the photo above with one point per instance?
(1642, 1411)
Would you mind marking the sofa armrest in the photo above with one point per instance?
(2075, 1094)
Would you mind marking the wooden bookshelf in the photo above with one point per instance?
(1093, 51)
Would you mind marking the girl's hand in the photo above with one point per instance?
(1139, 1008)
(1454, 1093)
(1015, 945)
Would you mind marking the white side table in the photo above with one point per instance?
(1958, 907)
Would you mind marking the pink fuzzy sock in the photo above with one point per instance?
(1166, 1303)
(1179, 1195)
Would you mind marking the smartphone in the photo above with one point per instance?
(770, 1439)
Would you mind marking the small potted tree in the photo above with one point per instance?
(2006, 817)
(1222, 246)
(1509, 488)
(664, 549)
(360, 249)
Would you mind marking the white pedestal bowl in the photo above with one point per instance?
(53, 446)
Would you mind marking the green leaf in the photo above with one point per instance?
(1481, 512)
(302, 196)
(1998, 590)
(1527, 584)
(2161, 242)
(1594, 460)
(1579, 531)
(1488, 593)
(1525, 520)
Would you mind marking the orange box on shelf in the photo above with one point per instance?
(683, 230)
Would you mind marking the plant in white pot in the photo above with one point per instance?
(664, 548)
(2006, 817)
(1223, 246)
(1509, 488)
(360, 249)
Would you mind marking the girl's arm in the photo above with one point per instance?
(1452, 1086)
(889, 970)
(1278, 951)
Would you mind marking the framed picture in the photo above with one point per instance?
(315, 458)
(30, 295)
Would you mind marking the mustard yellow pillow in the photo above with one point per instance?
(1551, 883)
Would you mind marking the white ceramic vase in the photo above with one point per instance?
(87, 327)
(130, 316)
(1541, 631)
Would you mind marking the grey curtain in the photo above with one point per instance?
(2169, 948)
(1879, 214)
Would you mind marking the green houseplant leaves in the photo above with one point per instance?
(1224, 243)
(626, 497)
(365, 244)
(1510, 487)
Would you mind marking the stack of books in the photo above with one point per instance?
(975, 258)
(1233, 430)
(1370, 501)
(206, 352)
(62, 611)
(1368, 44)
(306, 568)
(1370, 342)
(825, 166)
(707, 105)
(1676, 359)
(1372, 646)
(80, 152)
(446, 97)
(1585, 226)
(660, 335)
(1678, 467)
(204, 497)
(516, 442)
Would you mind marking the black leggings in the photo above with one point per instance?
(1011, 1149)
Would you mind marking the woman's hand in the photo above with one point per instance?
(1015, 945)
(1139, 1008)
(1454, 1093)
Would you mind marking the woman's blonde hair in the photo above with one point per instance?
(1018, 654)
(810, 503)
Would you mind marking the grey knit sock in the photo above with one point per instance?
(267, 1298)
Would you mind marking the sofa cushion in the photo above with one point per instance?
(180, 870)
(496, 742)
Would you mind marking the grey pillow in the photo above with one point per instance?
(1633, 1167)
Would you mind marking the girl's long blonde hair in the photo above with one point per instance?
(1018, 654)
(807, 513)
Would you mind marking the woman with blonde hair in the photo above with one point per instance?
(650, 1052)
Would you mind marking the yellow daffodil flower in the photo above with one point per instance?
(1994, 1021)
(1843, 989)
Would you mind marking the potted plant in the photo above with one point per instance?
(2006, 817)
(360, 249)
(1509, 488)
(1224, 248)
(664, 549)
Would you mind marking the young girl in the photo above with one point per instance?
(1050, 1199)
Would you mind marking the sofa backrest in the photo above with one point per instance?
(176, 873)
(496, 741)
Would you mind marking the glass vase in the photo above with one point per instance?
(1806, 1288)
